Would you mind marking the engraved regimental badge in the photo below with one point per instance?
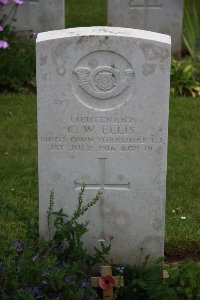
(103, 80)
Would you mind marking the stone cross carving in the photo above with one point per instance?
(106, 273)
(30, 5)
(102, 187)
(145, 5)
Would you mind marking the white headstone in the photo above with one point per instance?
(38, 15)
(164, 16)
(103, 121)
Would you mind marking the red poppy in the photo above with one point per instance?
(105, 282)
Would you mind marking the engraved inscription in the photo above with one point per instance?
(104, 82)
(145, 3)
(103, 135)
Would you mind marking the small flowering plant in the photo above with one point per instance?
(19, 246)
(6, 20)
(53, 269)
(17, 54)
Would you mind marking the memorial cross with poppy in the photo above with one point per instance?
(107, 282)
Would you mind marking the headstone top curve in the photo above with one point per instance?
(102, 31)
(103, 105)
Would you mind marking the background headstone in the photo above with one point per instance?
(103, 121)
(164, 16)
(38, 15)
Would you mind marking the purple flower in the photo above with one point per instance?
(1, 28)
(4, 44)
(3, 2)
(111, 237)
(34, 34)
(71, 279)
(35, 291)
(85, 283)
(18, 2)
(60, 296)
(51, 295)
(68, 260)
(19, 246)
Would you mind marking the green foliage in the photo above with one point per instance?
(191, 33)
(183, 82)
(140, 282)
(38, 273)
(146, 283)
(183, 176)
(68, 234)
(17, 59)
(82, 13)
(50, 211)
(18, 173)
(185, 281)
(17, 65)
(51, 269)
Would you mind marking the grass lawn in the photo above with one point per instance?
(183, 181)
(18, 172)
(85, 13)
(19, 183)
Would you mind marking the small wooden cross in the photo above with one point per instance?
(107, 271)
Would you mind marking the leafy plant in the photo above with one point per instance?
(183, 80)
(7, 19)
(191, 33)
(17, 67)
(17, 55)
(51, 269)
(147, 283)
(185, 280)
(140, 282)
(68, 234)
(50, 211)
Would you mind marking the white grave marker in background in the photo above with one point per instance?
(164, 16)
(103, 121)
(38, 15)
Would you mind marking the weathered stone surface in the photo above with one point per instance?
(38, 15)
(164, 16)
(102, 120)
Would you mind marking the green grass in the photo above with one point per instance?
(19, 183)
(183, 188)
(80, 13)
(18, 160)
